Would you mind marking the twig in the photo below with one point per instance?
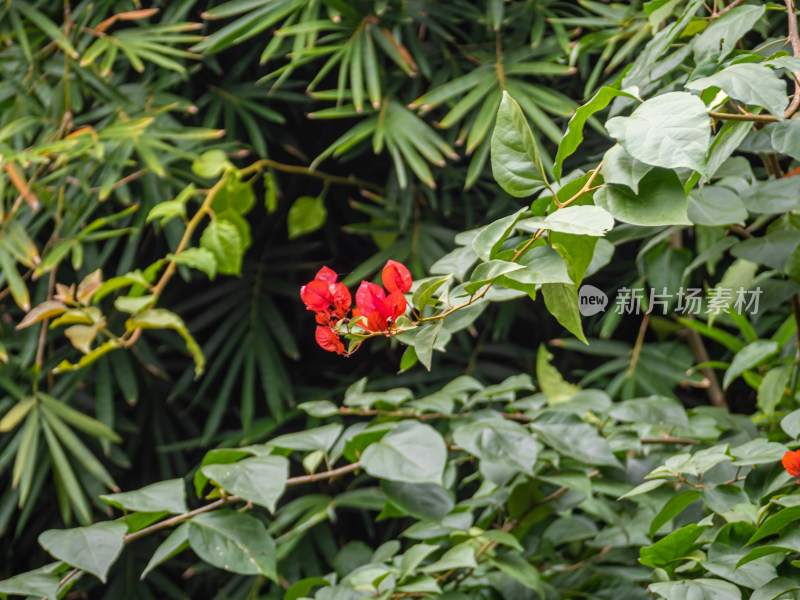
(715, 394)
(205, 208)
(794, 39)
(668, 439)
(178, 519)
(350, 180)
(637, 347)
(730, 6)
(744, 117)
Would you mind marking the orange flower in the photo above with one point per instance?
(791, 462)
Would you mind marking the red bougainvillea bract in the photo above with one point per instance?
(377, 309)
(791, 462)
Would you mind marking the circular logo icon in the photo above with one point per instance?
(591, 300)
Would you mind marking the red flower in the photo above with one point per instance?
(791, 462)
(330, 300)
(329, 340)
(395, 277)
(377, 308)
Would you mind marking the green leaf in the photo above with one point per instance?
(15, 283)
(671, 548)
(747, 358)
(300, 589)
(235, 542)
(791, 424)
(319, 408)
(160, 318)
(561, 300)
(93, 548)
(516, 164)
(671, 131)
(720, 37)
(772, 389)
(550, 380)
(788, 542)
(516, 566)
(261, 479)
(307, 214)
(166, 211)
(40, 312)
(574, 135)
(656, 410)
(771, 196)
(35, 583)
(756, 452)
(489, 240)
(621, 168)
(499, 440)
(50, 29)
(772, 250)
(413, 453)
(211, 164)
(777, 588)
(776, 523)
(489, 271)
(78, 449)
(786, 138)
(424, 501)
(425, 289)
(577, 220)
(312, 440)
(672, 509)
(697, 589)
(14, 416)
(715, 206)
(541, 265)
(164, 496)
(425, 341)
(79, 420)
(570, 436)
(460, 556)
(197, 258)
(748, 83)
(661, 201)
(176, 542)
(223, 240)
(643, 488)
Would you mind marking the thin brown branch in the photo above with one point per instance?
(732, 5)
(668, 439)
(178, 519)
(794, 40)
(745, 117)
(637, 347)
(715, 393)
(300, 170)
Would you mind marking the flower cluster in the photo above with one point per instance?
(377, 309)
(330, 302)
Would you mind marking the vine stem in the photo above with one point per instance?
(719, 13)
(191, 226)
(794, 40)
(559, 205)
(178, 519)
(744, 117)
(278, 166)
